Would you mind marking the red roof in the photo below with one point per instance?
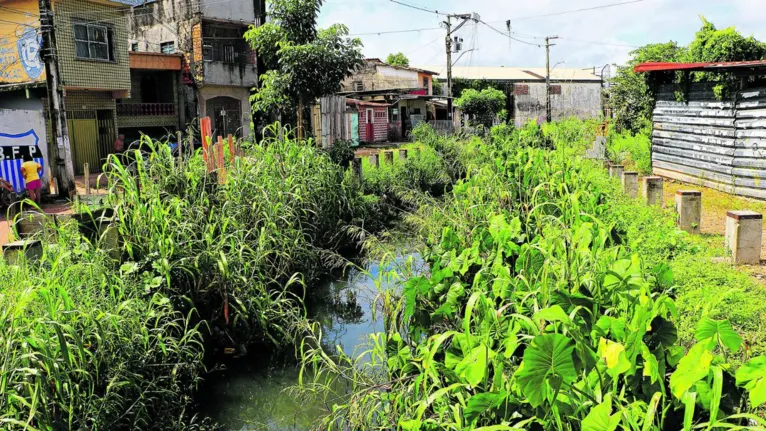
(661, 66)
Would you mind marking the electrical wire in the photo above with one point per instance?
(396, 31)
(418, 8)
(509, 36)
(574, 10)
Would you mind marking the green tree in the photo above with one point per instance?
(398, 59)
(302, 62)
(482, 106)
(630, 93)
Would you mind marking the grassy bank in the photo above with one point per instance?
(553, 302)
(98, 338)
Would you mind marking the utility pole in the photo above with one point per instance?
(448, 42)
(63, 156)
(548, 116)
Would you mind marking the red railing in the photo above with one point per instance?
(141, 109)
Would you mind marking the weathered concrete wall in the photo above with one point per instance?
(163, 21)
(22, 131)
(240, 75)
(241, 10)
(374, 76)
(581, 100)
(242, 94)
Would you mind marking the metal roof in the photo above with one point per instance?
(524, 74)
(380, 62)
(720, 66)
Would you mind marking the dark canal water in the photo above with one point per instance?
(250, 393)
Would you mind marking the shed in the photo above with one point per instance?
(373, 120)
(716, 143)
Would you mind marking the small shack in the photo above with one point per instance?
(373, 120)
(716, 143)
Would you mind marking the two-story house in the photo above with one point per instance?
(220, 68)
(407, 90)
(91, 49)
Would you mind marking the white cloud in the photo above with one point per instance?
(588, 39)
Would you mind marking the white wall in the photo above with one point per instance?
(243, 94)
(22, 128)
(239, 10)
(240, 75)
(581, 100)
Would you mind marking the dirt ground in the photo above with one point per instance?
(56, 208)
(715, 205)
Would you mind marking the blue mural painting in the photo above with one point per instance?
(13, 148)
(29, 52)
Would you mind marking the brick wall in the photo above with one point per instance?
(380, 123)
(87, 73)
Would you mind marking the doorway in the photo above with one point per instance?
(226, 115)
(370, 121)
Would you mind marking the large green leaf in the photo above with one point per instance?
(719, 330)
(600, 418)
(752, 376)
(614, 355)
(473, 367)
(553, 314)
(692, 367)
(548, 362)
(480, 403)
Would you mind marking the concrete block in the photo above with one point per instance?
(651, 191)
(689, 209)
(29, 223)
(744, 232)
(29, 250)
(630, 183)
(389, 157)
(615, 171)
(357, 166)
(402, 154)
(598, 150)
(374, 161)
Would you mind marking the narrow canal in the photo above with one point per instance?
(251, 393)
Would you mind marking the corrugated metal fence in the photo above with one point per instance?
(716, 144)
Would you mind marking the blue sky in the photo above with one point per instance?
(591, 38)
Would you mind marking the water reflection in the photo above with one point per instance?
(249, 394)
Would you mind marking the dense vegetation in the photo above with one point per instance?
(551, 303)
(551, 299)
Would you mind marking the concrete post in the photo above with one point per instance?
(651, 191)
(689, 209)
(615, 171)
(374, 161)
(86, 171)
(744, 232)
(389, 157)
(630, 183)
(357, 166)
(402, 154)
(31, 249)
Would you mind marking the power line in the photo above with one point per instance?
(418, 8)
(574, 11)
(509, 35)
(396, 31)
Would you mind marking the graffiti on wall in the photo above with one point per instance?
(14, 148)
(20, 43)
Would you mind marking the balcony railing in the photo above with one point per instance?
(143, 109)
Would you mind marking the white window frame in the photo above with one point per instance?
(170, 44)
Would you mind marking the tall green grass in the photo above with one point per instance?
(86, 345)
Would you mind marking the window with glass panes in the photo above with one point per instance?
(93, 41)
(168, 47)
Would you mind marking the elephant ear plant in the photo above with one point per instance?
(536, 316)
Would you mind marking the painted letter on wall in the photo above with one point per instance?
(20, 43)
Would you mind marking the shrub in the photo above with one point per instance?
(342, 152)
